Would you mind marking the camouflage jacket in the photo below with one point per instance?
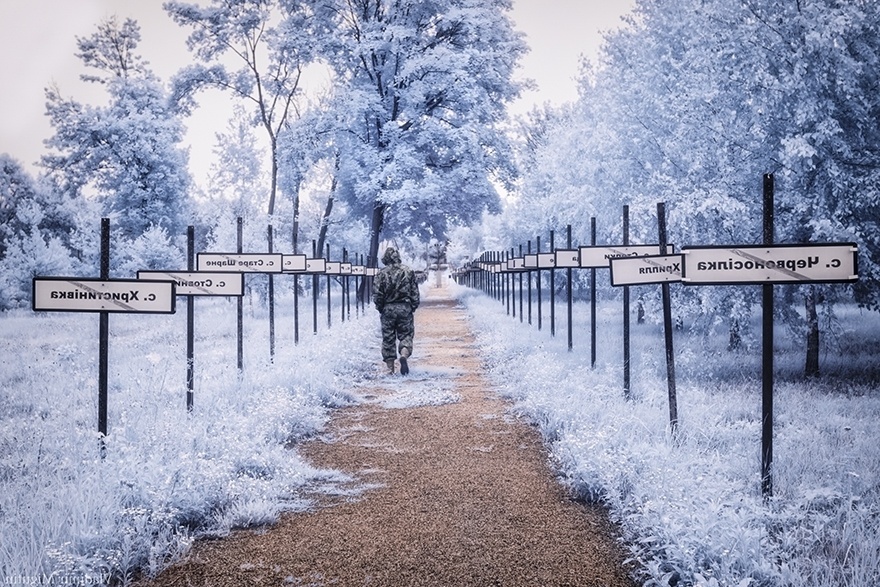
(395, 284)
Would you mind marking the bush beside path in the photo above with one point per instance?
(447, 489)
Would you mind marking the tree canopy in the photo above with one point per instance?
(421, 93)
(127, 152)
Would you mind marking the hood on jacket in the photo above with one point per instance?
(391, 256)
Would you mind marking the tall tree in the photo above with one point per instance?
(127, 152)
(271, 43)
(237, 175)
(423, 86)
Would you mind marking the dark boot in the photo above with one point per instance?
(404, 366)
(390, 363)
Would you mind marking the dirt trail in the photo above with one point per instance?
(461, 492)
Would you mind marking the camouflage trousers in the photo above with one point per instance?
(397, 325)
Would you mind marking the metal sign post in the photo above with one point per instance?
(313, 270)
(271, 296)
(294, 264)
(627, 378)
(553, 285)
(194, 284)
(332, 268)
(190, 320)
(767, 350)
(667, 328)
(592, 296)
(530, 261)
(663, 269)
(245, 263)
(103, 336)
(575, 258)
(240, 308)
(538, 283)
(103, 295)
(520, 262)
(766, 265)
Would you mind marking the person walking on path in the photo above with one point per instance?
(396, 295)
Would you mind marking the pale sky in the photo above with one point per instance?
(38, 43)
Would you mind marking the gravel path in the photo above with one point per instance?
(459, 492)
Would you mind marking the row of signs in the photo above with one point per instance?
(747, 264)
(155, 292)
(584, 257)
(277, 263)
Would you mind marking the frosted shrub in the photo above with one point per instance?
(28, 256)
(154, 249)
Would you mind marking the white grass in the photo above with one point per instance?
(691, 508)
(66, 514)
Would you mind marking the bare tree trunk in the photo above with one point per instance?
(273, 179)
(812, 362)
(325, 219)
(734, 341)
(375, 232)
(295, 231)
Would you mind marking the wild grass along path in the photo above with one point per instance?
(460, 492)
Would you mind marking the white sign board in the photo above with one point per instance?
(199, 283)
(546, 260)
(530, 261)
(568, 258)
(600, 257)
(371, 271)
(642, 270)
(345, 268)
(240, 262)
(516, 264)
(70, 294)
(318, 265)
(332, 268)
(824, 263)
(293, 263)
(358, 270)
